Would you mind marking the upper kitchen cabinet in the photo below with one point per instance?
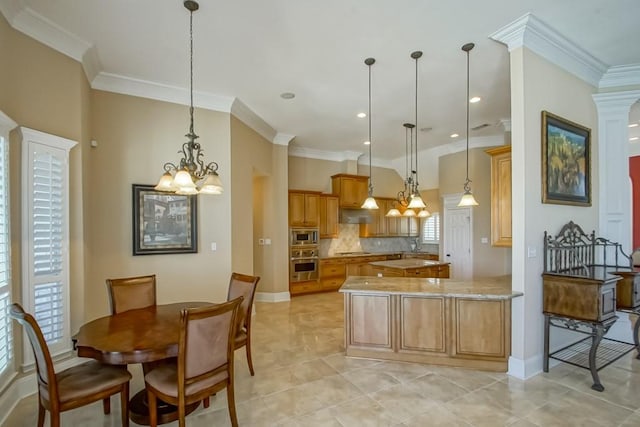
(328, 216)
(352, 190)
(500, 195)
(379, 225)
(304, 208)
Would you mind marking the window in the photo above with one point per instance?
(6, 351)
(431, 229)
(45, 212)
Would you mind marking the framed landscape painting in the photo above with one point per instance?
(163, 223)
(566, 162)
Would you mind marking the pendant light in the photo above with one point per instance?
(370, 202)
(467, 198)
(191, 175)
(416, 201)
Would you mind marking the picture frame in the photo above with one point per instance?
(163, 223)
(566, 161)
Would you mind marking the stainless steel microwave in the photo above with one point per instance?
(304, 236)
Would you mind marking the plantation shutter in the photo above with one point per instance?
(46, 228)
(431, 229)
(6, 352)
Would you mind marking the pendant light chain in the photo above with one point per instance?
(191, 69)
(370, 176)
(466, 185)
(415, 189)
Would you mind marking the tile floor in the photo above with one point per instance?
(303, 379)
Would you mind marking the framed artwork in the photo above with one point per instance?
(163, 223)
(566, 162)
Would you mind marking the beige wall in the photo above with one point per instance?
(44, 90)
(538, 85)
(136, 136)
(487, 260)
(259, 207)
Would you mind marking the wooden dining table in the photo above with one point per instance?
(145, 336)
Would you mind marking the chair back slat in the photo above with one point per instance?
(131, 293)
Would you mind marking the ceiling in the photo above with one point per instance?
(254, 50)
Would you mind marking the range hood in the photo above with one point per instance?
(354, 216)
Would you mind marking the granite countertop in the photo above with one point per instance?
(405, 264)
(365, 254)
(481, 288)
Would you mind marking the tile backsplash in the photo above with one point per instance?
(349, 240)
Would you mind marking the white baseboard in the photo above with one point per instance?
(26, 386)
(525, 369)
(273, 296)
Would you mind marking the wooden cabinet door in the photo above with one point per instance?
(351, 189)
(328, 217)
(311, 206)
(303, 209)
(482, 328)
(500, 195)
(296, 209)
(423, 324)
(369, 322)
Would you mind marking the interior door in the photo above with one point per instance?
(457, 239)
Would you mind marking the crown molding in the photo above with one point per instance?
(615, 102)
(6, 123)
(38, 27)
(534, 34)
(312, 153)
(283, 139)
(506, 124)
(161, 92)
(621, 75)
(251, 119)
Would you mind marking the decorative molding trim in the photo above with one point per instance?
(613, 102)
(91, 63)
(312, 153)
(621, 75)
(251, 119)
(283, 139)
(161, 92)
(506, 124)
(38, 27)
(534, 34)
(273, 296)
(6, 123)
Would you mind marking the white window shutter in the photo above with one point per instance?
(46, 237)
(7, 369)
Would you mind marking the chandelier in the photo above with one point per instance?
(409, 198)
(191, 175)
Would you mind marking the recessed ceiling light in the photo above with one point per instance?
(367, 143)
(475, 99)
(633, 125)
(635, 138)
(287, 95)
(454, 135)
(362, 115)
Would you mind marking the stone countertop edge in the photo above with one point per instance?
(479, 288)
(406, 264)
(376, 254)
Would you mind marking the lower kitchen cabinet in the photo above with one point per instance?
(445, 330)
(332, 274)
(299, 288)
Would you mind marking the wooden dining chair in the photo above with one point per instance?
(245, 286)
(205, 361)
(73, 387)
(130, 293)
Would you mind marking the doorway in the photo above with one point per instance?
(458, 229)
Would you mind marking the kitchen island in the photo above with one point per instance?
(409, 267)
(440, 321)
